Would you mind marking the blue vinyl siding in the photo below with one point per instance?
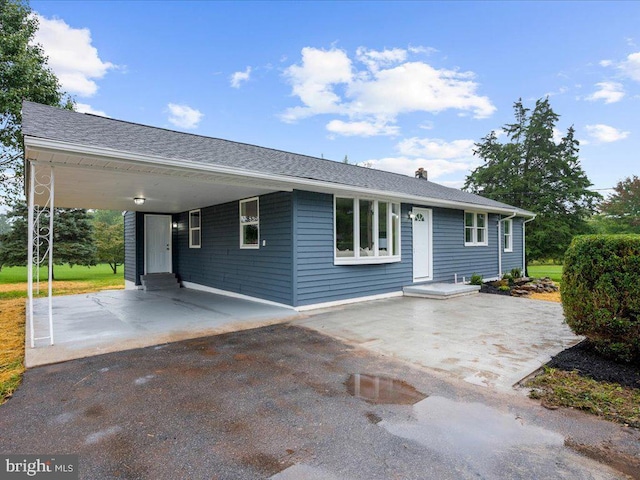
(318, 280)
(450, 256)
(265, 272)
(514, 259)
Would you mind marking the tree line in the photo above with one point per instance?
(80, 237)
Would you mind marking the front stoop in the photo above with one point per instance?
(440, 291)
(159, 281)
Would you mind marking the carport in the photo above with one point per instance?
(79, 173)
(115, 320)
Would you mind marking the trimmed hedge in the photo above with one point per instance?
(601, 293)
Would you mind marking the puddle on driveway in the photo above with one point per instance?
(379, 390)
(480, 436)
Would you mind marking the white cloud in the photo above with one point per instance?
(72, 57)
(436, 148)
(408, 166)
(374, 60)
(361, 129)
(85, 108)
(610, 92)
(184, 116)
(631, 66)
(313, 82)
(557, 135)
(378, 87)
(605, 63)
(437, 156)
(605, 134)
(238, 78)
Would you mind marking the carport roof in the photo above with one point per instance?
(57, 130)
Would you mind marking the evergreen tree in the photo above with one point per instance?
(534, 172)
(73, 241)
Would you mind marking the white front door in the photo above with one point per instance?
(422, 245)
(157, 244)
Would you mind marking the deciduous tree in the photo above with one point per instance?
(534, 171)
(109, 233)
(621, 211)
(24, 75)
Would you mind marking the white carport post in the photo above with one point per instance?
(36, 240)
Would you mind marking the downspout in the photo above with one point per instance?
(524, 258)
(500, 240)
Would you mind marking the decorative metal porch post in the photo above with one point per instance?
(41, 240)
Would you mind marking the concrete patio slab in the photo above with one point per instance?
(489, 340)
(115, 320)
(440, 290)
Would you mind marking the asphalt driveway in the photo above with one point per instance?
(283, 402)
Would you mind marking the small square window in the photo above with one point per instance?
(475, 229)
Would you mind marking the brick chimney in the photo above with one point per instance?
(421, 173)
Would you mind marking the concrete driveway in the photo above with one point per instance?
(284, 402)
(114, 320)
(488, 340)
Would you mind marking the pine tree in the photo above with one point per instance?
(534, 172)
(73, 237)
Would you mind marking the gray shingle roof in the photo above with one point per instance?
(54, 123)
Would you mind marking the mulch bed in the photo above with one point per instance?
(589, 363)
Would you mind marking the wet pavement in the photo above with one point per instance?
(486, 340)
(285, 402)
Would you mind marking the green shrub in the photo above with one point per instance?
(504, 288)
(601, 293)
(476, 279)
(516, 272)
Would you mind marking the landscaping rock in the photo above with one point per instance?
(520, 287)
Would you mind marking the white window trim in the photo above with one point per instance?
(198, 229)
(475, 242)
(508, 248)
(242, 224)
(375, 259)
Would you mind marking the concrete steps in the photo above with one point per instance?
(159, 281)
(440, 291)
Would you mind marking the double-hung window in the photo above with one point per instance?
(475, 229)
(249, 223)
(508, 235)
(366, 231)
(195, 229)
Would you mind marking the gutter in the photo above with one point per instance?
(500, 240)
(54, 146)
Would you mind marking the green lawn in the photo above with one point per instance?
(100, 275)
(554, 272)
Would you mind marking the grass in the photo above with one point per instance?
(13, 292)
(554, 272)
(557, 388)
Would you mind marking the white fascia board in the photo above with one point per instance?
(288, 182)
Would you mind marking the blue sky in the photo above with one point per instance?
(393, 85)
